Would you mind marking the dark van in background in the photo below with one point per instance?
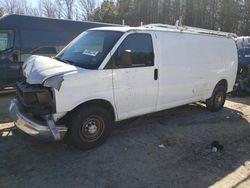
(23, 36)
(243, 77)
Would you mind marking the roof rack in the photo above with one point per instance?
(191, 29)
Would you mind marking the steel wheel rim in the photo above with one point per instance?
(91, 129)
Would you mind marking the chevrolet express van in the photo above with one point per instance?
(106, 75)
(22, 36)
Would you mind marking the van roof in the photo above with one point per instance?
(169, 28)
(120, 29)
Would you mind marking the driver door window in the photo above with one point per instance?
(135, 51)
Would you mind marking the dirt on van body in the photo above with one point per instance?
(165, 149)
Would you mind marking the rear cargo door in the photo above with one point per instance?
(135, 76)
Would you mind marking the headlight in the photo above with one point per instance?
(54, 82)
(30, 98)
(38, 99)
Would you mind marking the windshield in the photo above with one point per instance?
(6, 40)
(89, 49)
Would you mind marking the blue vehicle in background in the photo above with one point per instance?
(243, 77)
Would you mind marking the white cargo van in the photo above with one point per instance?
(111, 74)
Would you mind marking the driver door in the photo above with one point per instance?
(135, 76)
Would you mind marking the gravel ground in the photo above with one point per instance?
(132, 156)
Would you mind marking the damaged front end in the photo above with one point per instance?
(31, 112)
(36, 99)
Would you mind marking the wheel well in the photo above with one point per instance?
(222, 82)
(101, 103)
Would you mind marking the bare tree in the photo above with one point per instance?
(33, 11)
(48, 8)
(68, 8)
(1, 12)
(86, 8)
(246, 16)
(14, 6)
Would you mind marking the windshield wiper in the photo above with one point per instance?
(72, 63)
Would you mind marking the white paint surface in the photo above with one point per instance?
(190, 65)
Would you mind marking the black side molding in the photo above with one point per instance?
(156, 74)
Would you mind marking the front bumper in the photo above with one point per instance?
(44, 130)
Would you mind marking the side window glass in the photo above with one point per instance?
(247, 52)
(6, 39)
(135, 51)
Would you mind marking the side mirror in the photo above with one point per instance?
(125, 59)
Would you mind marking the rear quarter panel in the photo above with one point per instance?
(191, 65)
(230, 59)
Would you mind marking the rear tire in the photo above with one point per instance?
(217, 101)
(89, 126)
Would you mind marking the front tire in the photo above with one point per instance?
(89, 126)
(217, 101)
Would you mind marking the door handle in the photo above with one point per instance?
(156, 74)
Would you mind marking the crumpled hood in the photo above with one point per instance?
(37, 69)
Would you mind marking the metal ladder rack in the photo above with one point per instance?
(191, 29)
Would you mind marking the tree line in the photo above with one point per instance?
(225, 15)
(62, 9)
